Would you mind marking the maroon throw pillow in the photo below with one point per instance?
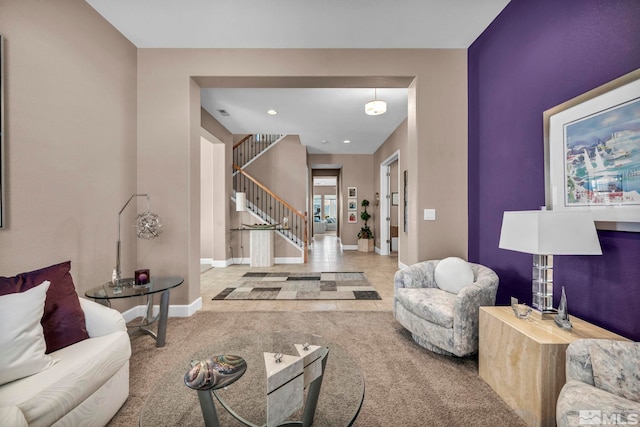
(63, 320)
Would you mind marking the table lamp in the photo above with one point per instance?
(544, 234)
(147, 226)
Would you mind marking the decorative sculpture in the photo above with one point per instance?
(562, 318)
(215, 372)
(287, 377)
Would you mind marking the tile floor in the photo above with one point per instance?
(326, 255)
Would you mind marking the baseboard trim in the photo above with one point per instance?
(216, 263)
(277, 260)
(289, 260)
(222, 264)
(174, 310)
(349, 247)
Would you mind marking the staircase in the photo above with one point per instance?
(262, 203)
(251, 146)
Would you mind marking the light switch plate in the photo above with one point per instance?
(429, 214)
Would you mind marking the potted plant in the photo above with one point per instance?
(365, 236)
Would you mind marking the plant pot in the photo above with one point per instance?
(365, 245)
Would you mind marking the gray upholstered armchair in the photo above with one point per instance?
(603, 384)
(443, 321)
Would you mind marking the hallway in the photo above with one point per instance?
(326, 255)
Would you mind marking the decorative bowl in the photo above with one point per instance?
(522, 311)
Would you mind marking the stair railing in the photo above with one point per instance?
(272, 209)
(251, 145)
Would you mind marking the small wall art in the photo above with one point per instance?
(352, 217)
(352, 204)
(352, 191)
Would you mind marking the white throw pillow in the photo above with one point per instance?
(22, 344)
(452, 274)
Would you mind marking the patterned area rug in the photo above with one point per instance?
(300, 286)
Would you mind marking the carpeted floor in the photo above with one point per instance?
(300, 286)
(405, 384)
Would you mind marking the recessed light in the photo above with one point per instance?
(324, 141)
(346, 141)
(272, 112)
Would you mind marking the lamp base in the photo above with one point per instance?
(544, 315)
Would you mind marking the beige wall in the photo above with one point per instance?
(221, 188)
(324, 190)
(436, 142)
(206, 199)
(71, 141)
(213, 200)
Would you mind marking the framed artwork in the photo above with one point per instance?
(352, 191)
(352, 204)
(352, 217)
(394, 199)
(406, 197)
(592, 154)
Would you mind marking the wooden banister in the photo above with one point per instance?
(303, 216)
(239, 143)
(271, 193)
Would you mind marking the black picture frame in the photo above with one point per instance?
(406, 203)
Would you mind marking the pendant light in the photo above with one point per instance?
(376, 106)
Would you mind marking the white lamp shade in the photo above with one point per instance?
(550, 233)
(241, 202)
(375, 107)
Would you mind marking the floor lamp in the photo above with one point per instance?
(545, 234)
(147, 226)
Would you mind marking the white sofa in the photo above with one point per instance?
(319, 227)
(87, 385)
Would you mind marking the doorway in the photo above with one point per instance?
(325, 205)
(389, 205)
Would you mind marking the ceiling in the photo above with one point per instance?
(322, 117)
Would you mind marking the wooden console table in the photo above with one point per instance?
(523, 360)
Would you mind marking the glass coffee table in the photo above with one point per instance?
(244, 402)
(107, 292)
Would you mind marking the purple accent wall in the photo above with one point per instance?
(536, 55)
